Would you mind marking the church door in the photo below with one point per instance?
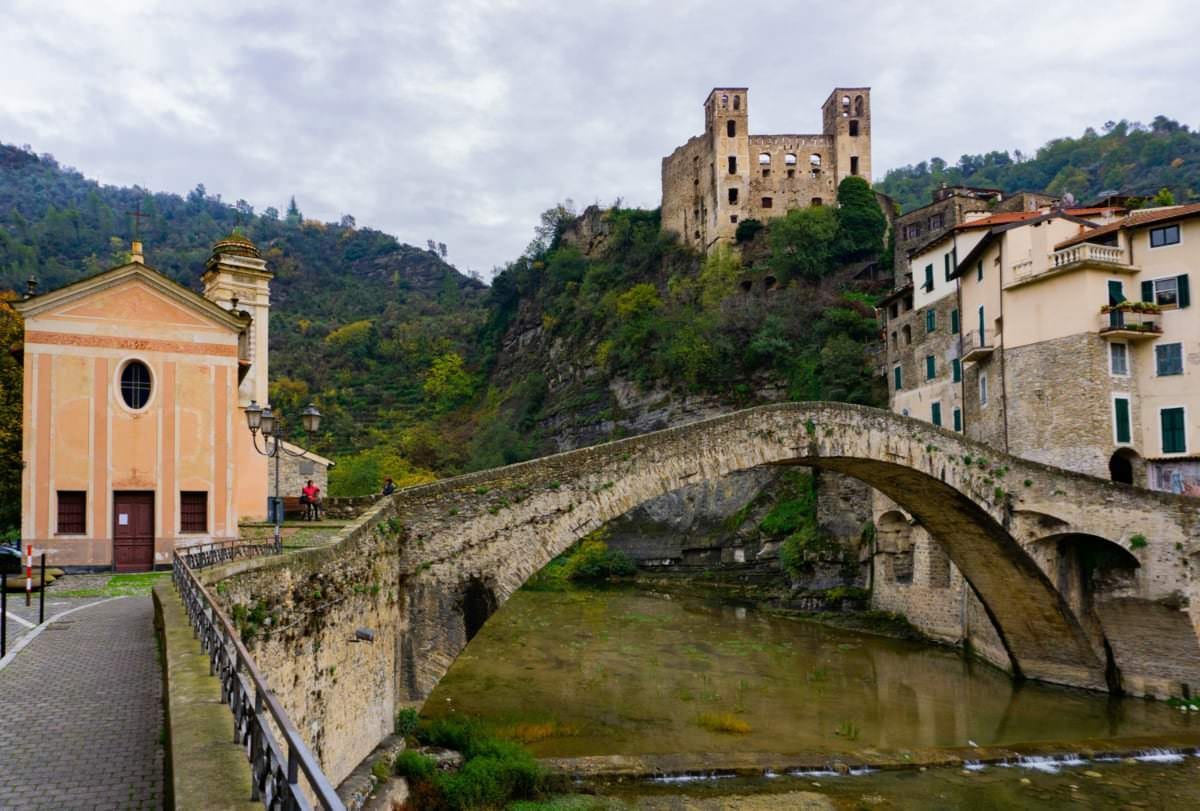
(133, 531)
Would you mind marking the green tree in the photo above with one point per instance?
(447, 383)
(11, 334)
(861, 224)
(802, 243)
(1163, 198)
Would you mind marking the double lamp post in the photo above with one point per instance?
(263, 419)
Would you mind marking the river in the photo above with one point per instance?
(658, 675)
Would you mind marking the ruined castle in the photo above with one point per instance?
(726, 175)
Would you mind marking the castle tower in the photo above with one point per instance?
(847, 119)
(726, 119)
(236, 276)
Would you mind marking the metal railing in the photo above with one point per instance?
(275, 778)
(203, 555)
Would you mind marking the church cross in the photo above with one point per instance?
(138, 216)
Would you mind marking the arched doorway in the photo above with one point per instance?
(1124, 465)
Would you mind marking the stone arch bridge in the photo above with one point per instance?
(424, 569)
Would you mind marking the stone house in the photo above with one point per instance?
(726, 175)
(135, 440)
(296, 470)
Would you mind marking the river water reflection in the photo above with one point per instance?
(630, 671)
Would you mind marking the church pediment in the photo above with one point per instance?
(131, 301)
(132, 292)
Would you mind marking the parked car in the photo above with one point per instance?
(10, 560)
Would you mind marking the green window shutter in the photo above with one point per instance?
(946, 262)
(896, 377)
(958, 419)
(1185, 296)
(956, 370)
(928, 278)
(954, 322)
(1121, 414)
(1147, 291)
(930, 370)
(936, 414)
(1174, 434)
(930, 320)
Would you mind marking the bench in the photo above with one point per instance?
(293, 509)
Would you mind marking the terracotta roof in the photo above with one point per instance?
(1003, 218)
(1136, 219)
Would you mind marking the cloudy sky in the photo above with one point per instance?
(460, 121)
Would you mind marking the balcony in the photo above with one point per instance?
(1108, 258)
(977, 345)
(1130, 321)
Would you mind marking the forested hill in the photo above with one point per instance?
(357, 316)
(1125, 158)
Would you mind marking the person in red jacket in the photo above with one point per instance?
(312, 501)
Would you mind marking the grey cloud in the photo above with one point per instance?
(461, 121)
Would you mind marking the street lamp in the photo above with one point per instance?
(259, 418)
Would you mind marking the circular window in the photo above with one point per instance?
(135, 385)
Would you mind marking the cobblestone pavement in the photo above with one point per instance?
(83, 713)
(22, 620)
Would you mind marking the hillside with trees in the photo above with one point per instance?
(1125, 157)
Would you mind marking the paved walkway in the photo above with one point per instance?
(83, 713)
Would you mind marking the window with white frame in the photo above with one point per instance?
(1118, 359)
(1166, 291)
(1168, 359)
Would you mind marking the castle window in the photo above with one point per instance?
(724, 100)
(764, 158)
(845, 101)
(817, 201)
(854, 127)
(733, 218)
(731, 128)
(858, 107)
(733, 194)
(135, 385)
(906, 331)
(814, 160)
(790, 159)
(766, 172)
(766, 202)
(737, 102)
(854, 164)
(732, 165)
(791, 173)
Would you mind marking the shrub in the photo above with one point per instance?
(493, 772)
(1137, 541)
(723, 722)
(414, 765)
(407, 720)
(747, 230)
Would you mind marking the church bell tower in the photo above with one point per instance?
(236, 278)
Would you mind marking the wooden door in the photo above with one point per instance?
(133, 532)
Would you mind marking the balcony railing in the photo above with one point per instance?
(977, 345)
(1089, 252)
(1130, 321)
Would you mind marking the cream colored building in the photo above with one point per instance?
(135, 440)
(1082, 347)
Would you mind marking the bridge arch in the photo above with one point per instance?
(510, 523)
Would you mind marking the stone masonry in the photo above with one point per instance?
(425, 569)
(726, 175)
